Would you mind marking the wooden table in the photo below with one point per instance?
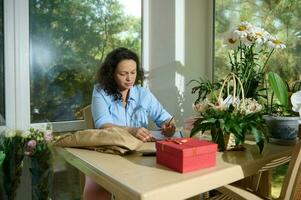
(140, 178)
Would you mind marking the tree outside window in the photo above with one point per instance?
(68, 41)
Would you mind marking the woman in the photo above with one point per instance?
(117, 100)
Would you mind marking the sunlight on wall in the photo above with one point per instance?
(180, 84)
(180, 31)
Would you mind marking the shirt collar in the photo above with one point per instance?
(133, 95)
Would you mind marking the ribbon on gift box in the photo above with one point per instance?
(178, 141)
(181, 141)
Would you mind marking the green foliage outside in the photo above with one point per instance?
(280, 18)
(68, 41)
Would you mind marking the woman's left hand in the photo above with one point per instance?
(168, 128)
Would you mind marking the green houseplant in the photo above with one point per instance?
(250, 48)
(225, 114)
(282, 121)
(12, 146)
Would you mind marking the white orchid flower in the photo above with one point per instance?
(275, 43)
(232, 41)
(242, 30)
(296, 101)
(230, 101)
(259, 35)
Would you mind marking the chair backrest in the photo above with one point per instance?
(88, 117)
(291, 188)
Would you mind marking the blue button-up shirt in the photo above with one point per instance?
(141, 105)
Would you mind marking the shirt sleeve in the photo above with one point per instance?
(156, 111)
(100, 108)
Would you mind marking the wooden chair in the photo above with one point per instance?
(88, 117)
(291, 188)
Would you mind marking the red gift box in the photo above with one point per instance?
(186, 154)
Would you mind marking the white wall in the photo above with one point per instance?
(179, 48)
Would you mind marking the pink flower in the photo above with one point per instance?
(200, 107)
(32, 144)
(48, 135)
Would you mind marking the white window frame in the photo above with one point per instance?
(17, 55)
(17, 70)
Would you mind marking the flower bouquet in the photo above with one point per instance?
(233, 116)
(38, 143)
(11, 148)
(251, 48)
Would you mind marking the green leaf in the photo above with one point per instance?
(211, 120)
(279, 88)
(2, 157)
(258, 138)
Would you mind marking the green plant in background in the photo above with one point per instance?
(235, 115)
(38, 147)
(12, 146)
(35, 143)
(251, 47)
(203, 88)
(280, 106)
(2, 192)
(2, 157)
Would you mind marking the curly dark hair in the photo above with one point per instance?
(105, 74)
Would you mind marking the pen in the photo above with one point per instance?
(168, 123)
(181, 134)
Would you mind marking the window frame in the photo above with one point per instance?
(17, 80)
(2, 71)
(17, 70)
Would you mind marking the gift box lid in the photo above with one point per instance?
(186, 147)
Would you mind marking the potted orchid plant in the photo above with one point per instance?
(281, 118)
(229, 115)
(250, 48)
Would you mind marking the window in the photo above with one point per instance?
(280, 18)
(68, 41)
(2, 84)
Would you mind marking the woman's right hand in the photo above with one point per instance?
(142, 134)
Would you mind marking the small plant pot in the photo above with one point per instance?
(282, 130)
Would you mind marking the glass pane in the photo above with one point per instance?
(2, 86)
(68, 41)
(279, 18)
